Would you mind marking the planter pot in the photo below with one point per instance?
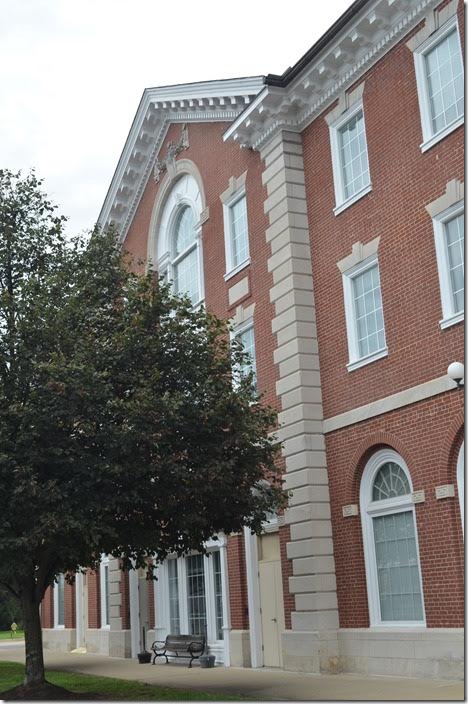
(144, 658)
(207, 660)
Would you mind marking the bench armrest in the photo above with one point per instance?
(196, 645)
(158, 645)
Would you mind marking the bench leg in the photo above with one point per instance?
(191, 660)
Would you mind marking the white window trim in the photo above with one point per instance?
(355, 360)
(429, 138)
(340, 200)
(370, 510)
(461, 483)
(228, 203)
(161, 587)
(102, 566)
(195, 245)
(449, 316)
(239, 330)
(56, 609)
(183, 192)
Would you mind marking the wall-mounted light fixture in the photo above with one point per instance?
(456, 372)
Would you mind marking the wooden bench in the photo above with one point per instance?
(181, 646)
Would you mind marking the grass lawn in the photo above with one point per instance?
(12, 673)
(4, 635)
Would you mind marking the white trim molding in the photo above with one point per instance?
(59, 585)
(441, 210)
(104, 591)
(461, 483)
(183, 189)
(432, 34)
(208, 101)
(354, 108)
(234, 193)
(369, 35)
(371, 509)
(389, 403)
(363, 258)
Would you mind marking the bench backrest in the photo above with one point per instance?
(182, 643)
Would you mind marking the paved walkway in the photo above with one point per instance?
(266, 684)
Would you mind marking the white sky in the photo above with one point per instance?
(72, 73)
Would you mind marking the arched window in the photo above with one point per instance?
(391, 552)
(178, 227)
(461, 483)
(185, 268)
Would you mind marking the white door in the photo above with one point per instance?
(271, 599)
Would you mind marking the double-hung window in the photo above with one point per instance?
(349, 157)
(185, 263)
(440, 82)
(246, 337)
(236, 233)
(59, 602)
(104, 586)
(364, 313)
(449, 233)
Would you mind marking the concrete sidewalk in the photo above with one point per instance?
(262, 684)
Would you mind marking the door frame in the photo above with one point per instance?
(253, 591)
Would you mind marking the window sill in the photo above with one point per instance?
(407, 625)
(229, 274)
(357, 196)
(452, 320)
(428, 143)
(105, 628)
(59, 627)
(351, 366)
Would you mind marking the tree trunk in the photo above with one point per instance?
(34, 674)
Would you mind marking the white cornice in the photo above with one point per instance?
(366, 38)
(211, 101)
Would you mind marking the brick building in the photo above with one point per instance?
(322, 212)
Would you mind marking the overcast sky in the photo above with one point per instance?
(72, 73)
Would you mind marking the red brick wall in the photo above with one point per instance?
(69, 604)
(427, 435)
(47, 609)
(125, 604)
(237, 582)
(151, 604)
(94, 601)
(217, 162)
(404, 180)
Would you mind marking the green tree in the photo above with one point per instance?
(120, 429)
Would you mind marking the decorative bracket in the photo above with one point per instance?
(173, 150)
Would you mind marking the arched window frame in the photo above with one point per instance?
(370, 510)
(461, 483)
(175, 258)
(185, 191)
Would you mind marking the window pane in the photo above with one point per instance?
(239, 233)
(455, 239)
(353, 155)
(368, 311)
(196, 595)
(61, 600)
(174, 615)
(185, 231)
(248, 343)
(186, 276)
(218, 593)
(444, 73)
(397, 567)
(390, 481)
(106, 595)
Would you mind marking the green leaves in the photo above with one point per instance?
(120, 430)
